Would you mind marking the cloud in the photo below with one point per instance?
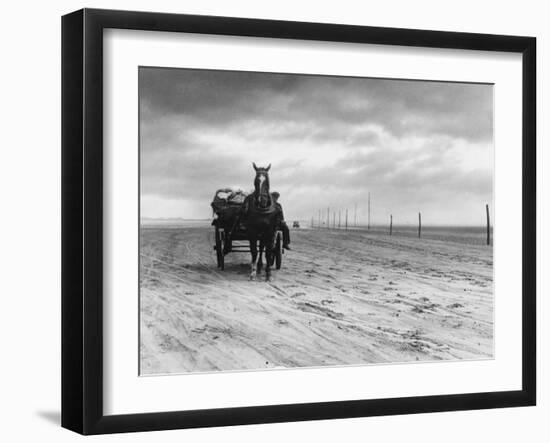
(401, 107)
(331, 140)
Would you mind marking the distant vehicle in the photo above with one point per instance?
(296, 224)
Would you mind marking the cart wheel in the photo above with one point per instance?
(278, 251)
(219, 248)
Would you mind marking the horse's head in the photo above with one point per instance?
(262, 195)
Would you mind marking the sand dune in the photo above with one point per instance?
(340, 298)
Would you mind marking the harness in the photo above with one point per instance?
(253, 208)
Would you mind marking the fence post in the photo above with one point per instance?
(419, 224)
(488, 226)
(346, 219)
(368, 219)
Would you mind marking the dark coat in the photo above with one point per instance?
(280, 211)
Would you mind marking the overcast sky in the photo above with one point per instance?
(414, 145)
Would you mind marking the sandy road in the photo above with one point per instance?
(340, 298)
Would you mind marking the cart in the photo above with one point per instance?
(226, 205)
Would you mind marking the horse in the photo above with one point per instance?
(260, 220)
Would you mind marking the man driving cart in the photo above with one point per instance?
(281, 220)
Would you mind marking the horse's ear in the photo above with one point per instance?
(268, 166)
(255, 167)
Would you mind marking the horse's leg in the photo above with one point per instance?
(254, 253)
(268, 253)
(260, 263)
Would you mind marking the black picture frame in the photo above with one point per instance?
(82, 220)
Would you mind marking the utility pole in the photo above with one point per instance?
(334, 220)
(355, 216)
(339, 218)
(488, 226)
(328, 218)
(419, 224)
(319, 219)
(368, 220)
(346, 219)
(391, 223)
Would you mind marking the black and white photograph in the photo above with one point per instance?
(243, 222)
(297, 221)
